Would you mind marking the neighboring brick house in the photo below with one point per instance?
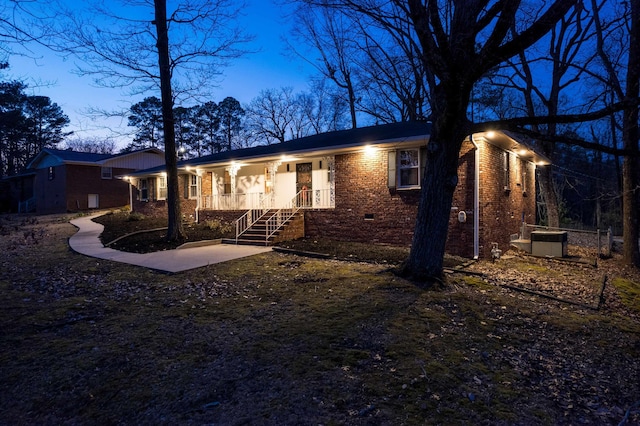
(58, 181)
(360, 185)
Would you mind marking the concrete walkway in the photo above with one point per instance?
(86, 241)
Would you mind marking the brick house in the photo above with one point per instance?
(359, 185)
(58, 181)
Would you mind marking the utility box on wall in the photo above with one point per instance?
(549, 243)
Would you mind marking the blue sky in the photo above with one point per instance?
(50, 75)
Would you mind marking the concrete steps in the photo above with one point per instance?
(257, 234)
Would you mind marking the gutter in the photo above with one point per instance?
(476, 200)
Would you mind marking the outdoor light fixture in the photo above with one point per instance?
(490, 134)
(369, 149)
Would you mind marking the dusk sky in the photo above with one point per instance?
(243, 80)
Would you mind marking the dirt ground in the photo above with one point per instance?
(284, 339)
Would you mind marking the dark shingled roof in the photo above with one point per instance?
(69, 155)
(341, 138)
(332, 140)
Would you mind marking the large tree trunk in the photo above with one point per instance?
(175, 230)
(439, 181)
(549, 197)
(630, 191)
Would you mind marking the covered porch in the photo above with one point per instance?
(304, 183)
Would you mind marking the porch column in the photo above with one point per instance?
(331, 166)
(199, 203)
(233, 171)
(273, 169)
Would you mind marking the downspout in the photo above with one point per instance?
(198, 195)
(130, 195)
(476, 200)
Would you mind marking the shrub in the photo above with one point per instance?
(219, 226)
(134, 217)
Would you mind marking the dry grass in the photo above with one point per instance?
(280, 339)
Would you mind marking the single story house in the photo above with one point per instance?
(58, 181)
(360, 185)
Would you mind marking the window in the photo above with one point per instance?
(51, 173)
(162, 188)
(144, 191)
(106, 173)
(193, 186)
(507, 170)
(409, 168)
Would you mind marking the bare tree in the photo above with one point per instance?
(630, 174)
(331, 36)
(270, 115)
(137, 45)
(564, 61)
(378, 71)
(92, 144)
(630, 24)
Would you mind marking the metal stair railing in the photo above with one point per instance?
(244, 222)
(280, 217)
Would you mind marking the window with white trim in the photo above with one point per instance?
(193, 186)
(162, 188)
(106, 173)
(408, 168)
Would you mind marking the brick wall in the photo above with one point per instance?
(293, 231)
(84, 180)
(158, 208)
(505, 202)
(460, 234)
(50, 194)
(368, 211)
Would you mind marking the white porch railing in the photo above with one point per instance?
(254, 200)
(305, 199)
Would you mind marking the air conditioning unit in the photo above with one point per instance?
(549, 243)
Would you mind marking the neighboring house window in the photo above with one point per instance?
(408, 168)
(144, 191)
(162, 188)
(106, 173)
(52, 173)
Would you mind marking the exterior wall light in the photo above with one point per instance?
(370, 149)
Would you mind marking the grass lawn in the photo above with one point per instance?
(281, 339)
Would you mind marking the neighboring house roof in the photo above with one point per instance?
(51, 157)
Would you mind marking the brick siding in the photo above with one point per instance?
(367, 210)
